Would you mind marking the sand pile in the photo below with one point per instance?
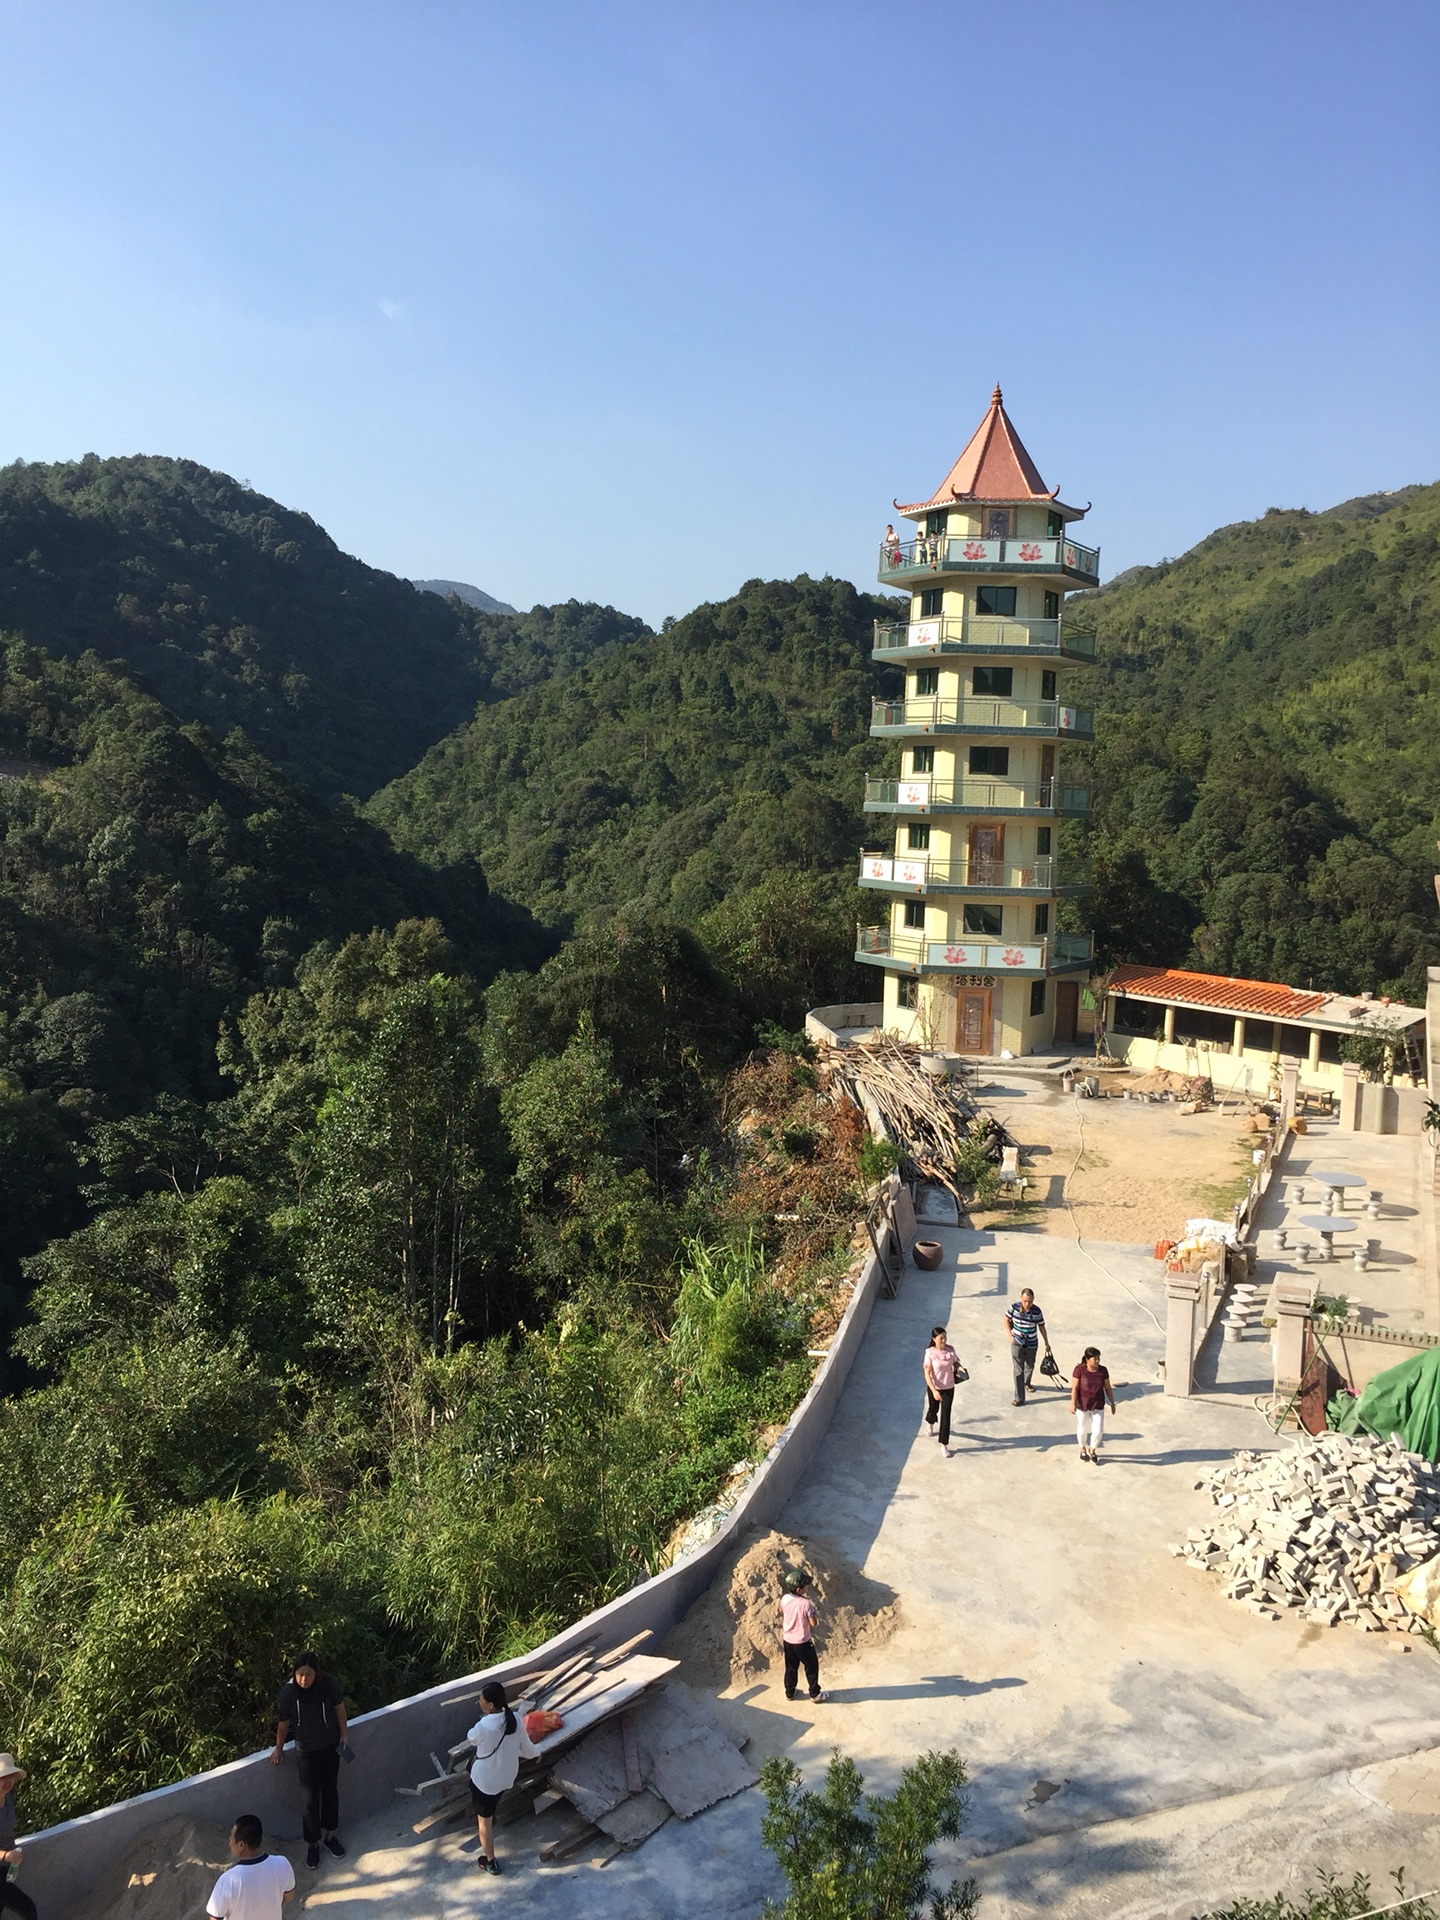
(732, 1633)
(168, 1874)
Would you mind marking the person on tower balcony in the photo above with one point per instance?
(892, 547)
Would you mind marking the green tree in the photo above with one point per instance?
(845, 1863)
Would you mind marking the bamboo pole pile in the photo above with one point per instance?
(927, 1117)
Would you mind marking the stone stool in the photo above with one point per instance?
(1360, 1257)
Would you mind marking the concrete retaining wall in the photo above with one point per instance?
(393, 1744)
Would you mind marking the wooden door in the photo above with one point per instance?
(1067, 1012)
(972, 1020)
(987, 857)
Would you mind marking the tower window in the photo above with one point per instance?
(1037, 996)
(931, 601)
(992, 760)
(1055, 526)
(907, 991)
(927, 681)
(914, 913)
(983, 920)
(1042, 920)
(999, 600)
(999, 680)
(917, 838)
(1052, 605)
(997, 523)
(922, 759)
(1049, 683)
(1042, 840)
(935, 523)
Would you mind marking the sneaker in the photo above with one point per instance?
(792, 1696)
(492, 1865)
(312, 1854)
(336, 1846)
(1084, 1453)
(821, 1695)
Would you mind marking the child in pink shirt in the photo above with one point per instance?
(797, 1623)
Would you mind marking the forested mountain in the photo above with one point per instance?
(239, 612)
(151, 878)
(463, 591)
(678, 769)
(1267, 754)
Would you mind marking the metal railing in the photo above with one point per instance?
(1045, 874)
(953, 553)
(979, 633)
(967, 714)
(979, 953)
(927, 795)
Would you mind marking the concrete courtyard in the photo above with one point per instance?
(1139, 1746)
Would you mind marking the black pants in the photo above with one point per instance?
(13, 1899)
(940, 1403)
(796, 1657)
(1023, 1359)
(320, 1791)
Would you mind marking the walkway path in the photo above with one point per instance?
(1139, 1745)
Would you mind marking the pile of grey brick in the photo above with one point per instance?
(1322, 1526)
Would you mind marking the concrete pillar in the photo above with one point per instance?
(1293, 1297)
(1313, 1062)
(1169, 1026)
(1349, 1097)
(1289, 1090)
(1182, 1323)
(1237, 1046)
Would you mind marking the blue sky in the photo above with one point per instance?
(633, 303)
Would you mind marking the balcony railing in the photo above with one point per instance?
(918, 873)
(978, 633)
(942, 553)
(974, 796)
(934, 713)
(972, 955)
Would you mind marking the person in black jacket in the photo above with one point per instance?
(312, 1705)
(11, 1898)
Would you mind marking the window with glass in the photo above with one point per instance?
(996, 680)
(931, 601)
(1052, 605)
(1049, 683)
(1037, 997)
(1042, 920)
(914, 912)
(1042, 840)
(917, 839)
(1055, 526)
(907, 992)
(922, 759)
(926, 682)
(983, 920)
(997, 600)
(992, 760)
(935, 523)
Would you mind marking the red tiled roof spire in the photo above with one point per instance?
(993, 467)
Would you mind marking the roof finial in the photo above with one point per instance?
(996, 396)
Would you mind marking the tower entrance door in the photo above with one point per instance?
(972, 1020)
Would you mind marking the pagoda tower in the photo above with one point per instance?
(973, 960)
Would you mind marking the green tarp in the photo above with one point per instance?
(1403, 1400)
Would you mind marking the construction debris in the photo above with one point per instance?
(1325, 1527)
(931, 1117)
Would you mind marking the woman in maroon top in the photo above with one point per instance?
(1089, 1396)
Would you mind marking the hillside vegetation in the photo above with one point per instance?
(240, 612)
(1267, 756)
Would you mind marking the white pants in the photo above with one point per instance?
(1094, 1423)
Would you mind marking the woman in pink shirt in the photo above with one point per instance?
(941, 1368)
(797, 1628)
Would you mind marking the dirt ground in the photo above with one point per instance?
(1117, 1170)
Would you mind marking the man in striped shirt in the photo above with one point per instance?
(1025, 1325)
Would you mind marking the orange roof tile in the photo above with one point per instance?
(1259, 997)
(994, 466)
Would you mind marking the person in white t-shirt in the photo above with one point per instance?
(501, 1742)
(259, 1883)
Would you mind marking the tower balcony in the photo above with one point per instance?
(929, 713)
(908, 561)
(913, 953)
(1046, 875)
(991, 798)
(901, 641)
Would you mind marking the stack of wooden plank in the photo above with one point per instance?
(930, 1118)
(627, 1755)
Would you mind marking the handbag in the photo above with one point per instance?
(1048, 1366)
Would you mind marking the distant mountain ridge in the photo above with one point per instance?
(472, 596)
